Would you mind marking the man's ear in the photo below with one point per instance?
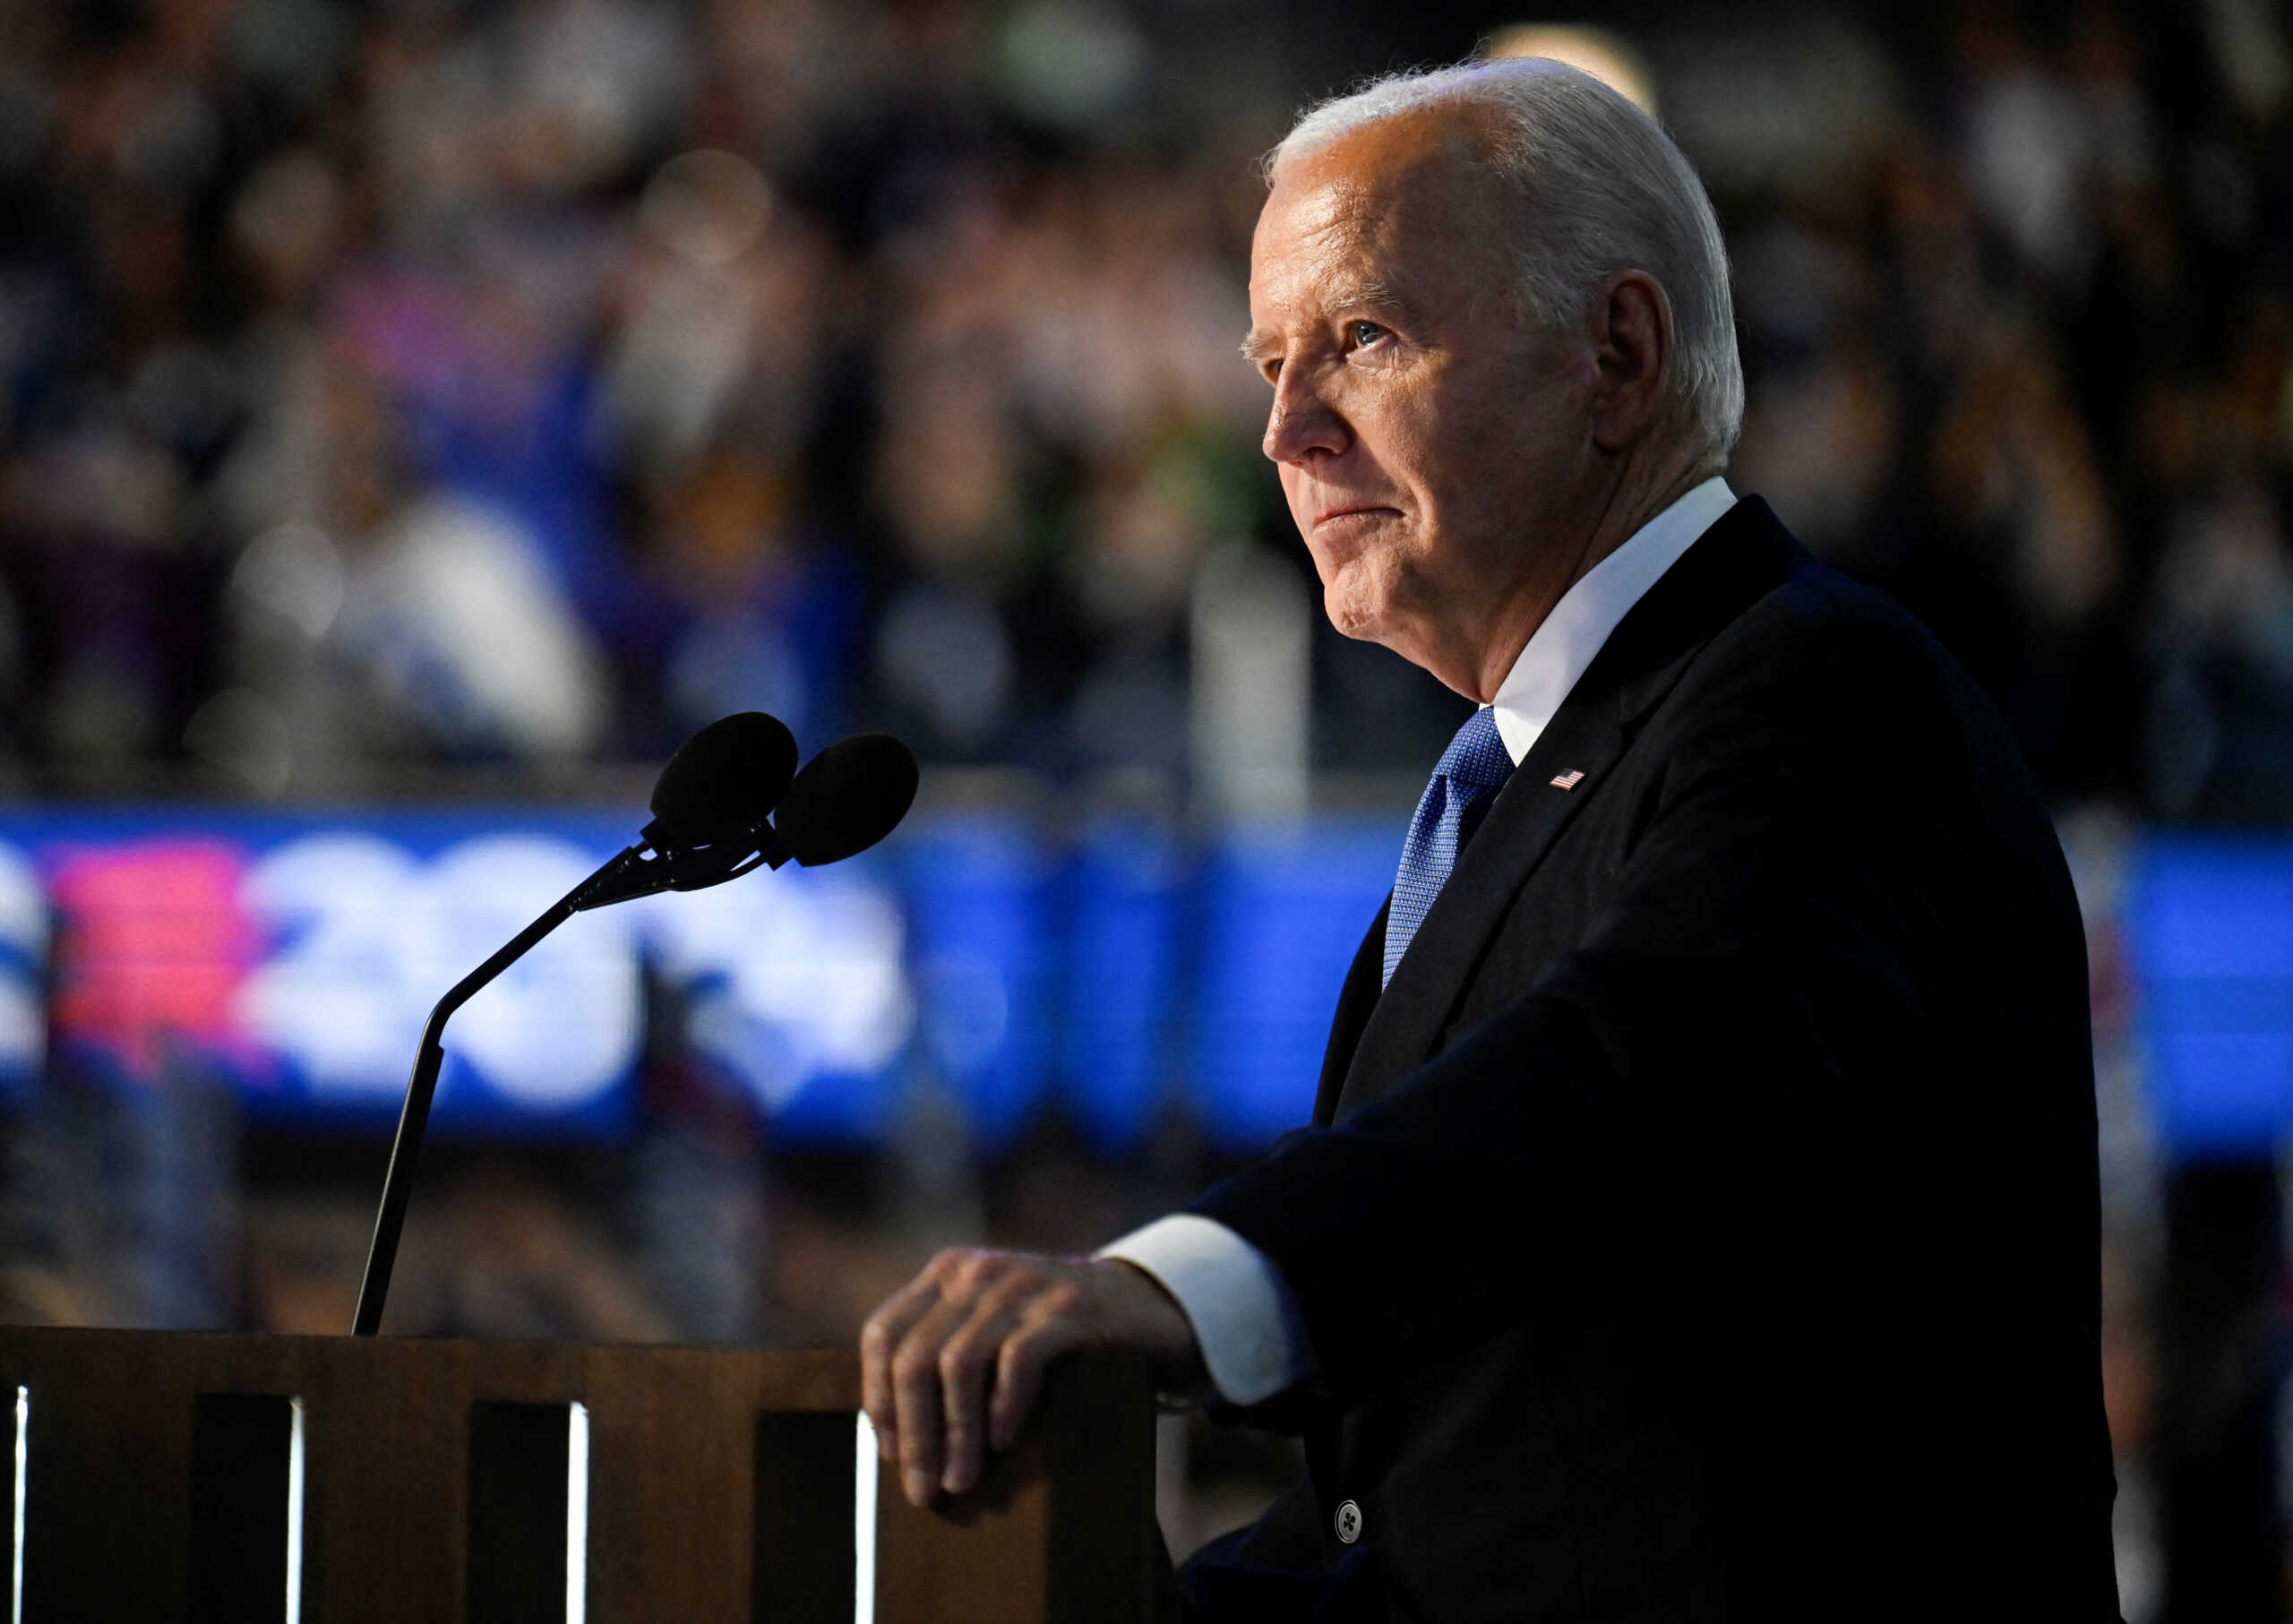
(1632, 351)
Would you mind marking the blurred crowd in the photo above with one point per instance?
(427, 381)
(446, 382)
(2019, 345)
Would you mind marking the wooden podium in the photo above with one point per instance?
(164, 1476)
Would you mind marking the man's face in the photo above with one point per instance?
(1434, 449)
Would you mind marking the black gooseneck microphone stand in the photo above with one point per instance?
(639, 871)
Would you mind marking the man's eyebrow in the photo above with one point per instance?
(1368, 295)
(1376, 298)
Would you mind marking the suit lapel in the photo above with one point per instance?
(1355, 1002)
(1744, 554)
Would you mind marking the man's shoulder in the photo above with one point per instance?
(1747, 589)
(1820, 646)
(1817, 604)
(1815, 619)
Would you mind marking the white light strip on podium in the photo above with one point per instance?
(576, 1514)
(864, 1525)
(24, 1454)
(294, 1511)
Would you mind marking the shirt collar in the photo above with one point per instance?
(1560, 649)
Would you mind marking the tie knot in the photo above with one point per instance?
(1477, 755)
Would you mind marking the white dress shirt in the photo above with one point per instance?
(1245, 1320)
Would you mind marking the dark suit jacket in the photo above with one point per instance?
(1704, 1223)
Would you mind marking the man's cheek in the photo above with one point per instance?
(1298, 515)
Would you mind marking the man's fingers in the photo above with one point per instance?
(1000, 1296)
(916, 1398)
(879, 1340)
(952, 1365)
(1025, 1356)
(966, 1365)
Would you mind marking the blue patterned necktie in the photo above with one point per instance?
(1472, 769)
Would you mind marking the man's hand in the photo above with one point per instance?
(952, 1362)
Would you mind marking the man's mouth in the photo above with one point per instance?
(1350, 511)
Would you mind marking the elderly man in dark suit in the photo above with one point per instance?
(1698, 1220)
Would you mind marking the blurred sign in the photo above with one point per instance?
(2210, 924)
(299, 959)
(1285, 909)
(23, 958)
(1117, 979)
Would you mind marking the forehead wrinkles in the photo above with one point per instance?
(1412, 196)
(1312, 236)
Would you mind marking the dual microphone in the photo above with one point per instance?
(729, 801)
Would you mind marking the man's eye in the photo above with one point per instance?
(1364, 333)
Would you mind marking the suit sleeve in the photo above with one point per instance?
(1729, 1060)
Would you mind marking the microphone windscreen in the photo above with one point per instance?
(849, 797)
(724, 779)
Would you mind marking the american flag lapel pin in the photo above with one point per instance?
(1570, 780)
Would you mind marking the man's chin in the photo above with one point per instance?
(1352, 617)
(1370, 623)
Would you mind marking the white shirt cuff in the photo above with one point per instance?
(1245, 1320)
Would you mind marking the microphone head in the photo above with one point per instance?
(849, 797)
(723, 781)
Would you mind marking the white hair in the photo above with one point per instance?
(1595, 187)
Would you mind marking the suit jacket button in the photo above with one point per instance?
(1348, 1521)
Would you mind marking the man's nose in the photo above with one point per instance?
(1302, 424)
